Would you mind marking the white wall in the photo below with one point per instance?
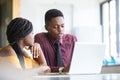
(78, 14)
(100, 1)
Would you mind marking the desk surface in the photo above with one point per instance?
(78, 77)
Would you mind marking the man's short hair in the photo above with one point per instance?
(52, 13)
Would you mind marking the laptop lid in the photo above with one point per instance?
(87, 58)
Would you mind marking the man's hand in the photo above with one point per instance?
(66, 69)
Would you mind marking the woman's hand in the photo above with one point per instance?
(36, 71)
(36, 50)
(44, 69)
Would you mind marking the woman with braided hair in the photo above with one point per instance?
(20, 35)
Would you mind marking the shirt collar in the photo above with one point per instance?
(53, 40)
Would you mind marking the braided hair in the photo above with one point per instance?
(18, 29)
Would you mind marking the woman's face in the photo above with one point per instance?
(29, 39)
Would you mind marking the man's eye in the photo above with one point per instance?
(55, 27)
(62, 26)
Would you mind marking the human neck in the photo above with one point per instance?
(21, 44)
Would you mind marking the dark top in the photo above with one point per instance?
(47, 44)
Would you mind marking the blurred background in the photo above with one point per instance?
(94, 21)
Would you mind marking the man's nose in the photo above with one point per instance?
(60, 29)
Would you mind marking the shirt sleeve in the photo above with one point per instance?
(12, 61)
(74, 38)
(37, 39)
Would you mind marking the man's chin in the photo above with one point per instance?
(59, 37)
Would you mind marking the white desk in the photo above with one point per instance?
(78, 77)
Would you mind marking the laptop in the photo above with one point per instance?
(87, 58)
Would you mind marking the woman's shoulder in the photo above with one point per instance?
(7, 51)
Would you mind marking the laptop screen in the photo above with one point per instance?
(87, 58)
